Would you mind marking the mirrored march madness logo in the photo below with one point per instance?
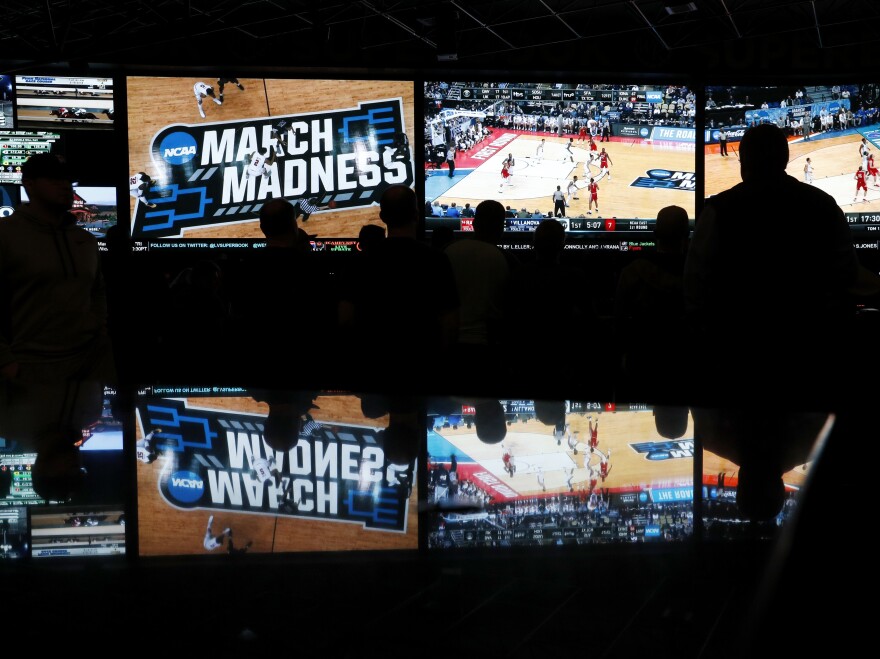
(338, 472)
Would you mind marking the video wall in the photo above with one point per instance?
(203, 153)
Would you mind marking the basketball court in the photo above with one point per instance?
(533, 181)
(534, 447)
(835, 158)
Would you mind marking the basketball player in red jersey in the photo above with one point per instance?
(593, 146)
(582, 133)
(872, 169)
(605, 466)
(594, 197)
(604, 162)
(861, 184)
(593, 480)
(594, 432)
(507, 459)
(505, 175)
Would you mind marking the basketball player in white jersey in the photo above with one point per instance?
(573, 441)
(265, 469)
(260, 164)
(591, 161)
(138, 186)
(202, 90)
(144, 447)
(212, 541)
(571, 191)
(864, 150)
(539, 153)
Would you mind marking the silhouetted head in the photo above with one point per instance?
(369, 236)
(58, 474)
(549, 238)
(671, 422)
(46, 166)
(489, 220)
(760, 491)
(398, 207)
(400, 440)
(763, 150)
(287, 412)
(490, 421)
(550, 412)
(281, 429)
(278, 219)
(48, 182)
(672, 229)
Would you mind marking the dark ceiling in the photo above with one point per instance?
(574, 35)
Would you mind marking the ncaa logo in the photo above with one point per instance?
(178, 148)
(6, 211)
(716, 134)
(186, 486)
(643, 132)
(662, 174)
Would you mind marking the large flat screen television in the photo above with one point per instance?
(16, 146)
(94, 208)
(550, 133)
(537, 473)
(209, 483)
(51, 101)
(105, 487)
(205, 157)
(795, 442)
(826, 124)
(70, 532)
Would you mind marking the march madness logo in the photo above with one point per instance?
(341, 159)
(666, 179)
(670, 450)
(336, 472)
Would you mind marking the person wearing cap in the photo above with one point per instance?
(53, 306)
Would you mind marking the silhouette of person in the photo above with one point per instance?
(549, 296)
(401, 296)
(764, 444)
(201, 318)
(649, 309)
(442, 237)
(490, 421)
(53, 306)
(369, 236)
(278, 225)
(764, 294)
(289, 416)
(49, 419)
(482, 272)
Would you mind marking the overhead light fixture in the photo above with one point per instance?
(681, 9)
